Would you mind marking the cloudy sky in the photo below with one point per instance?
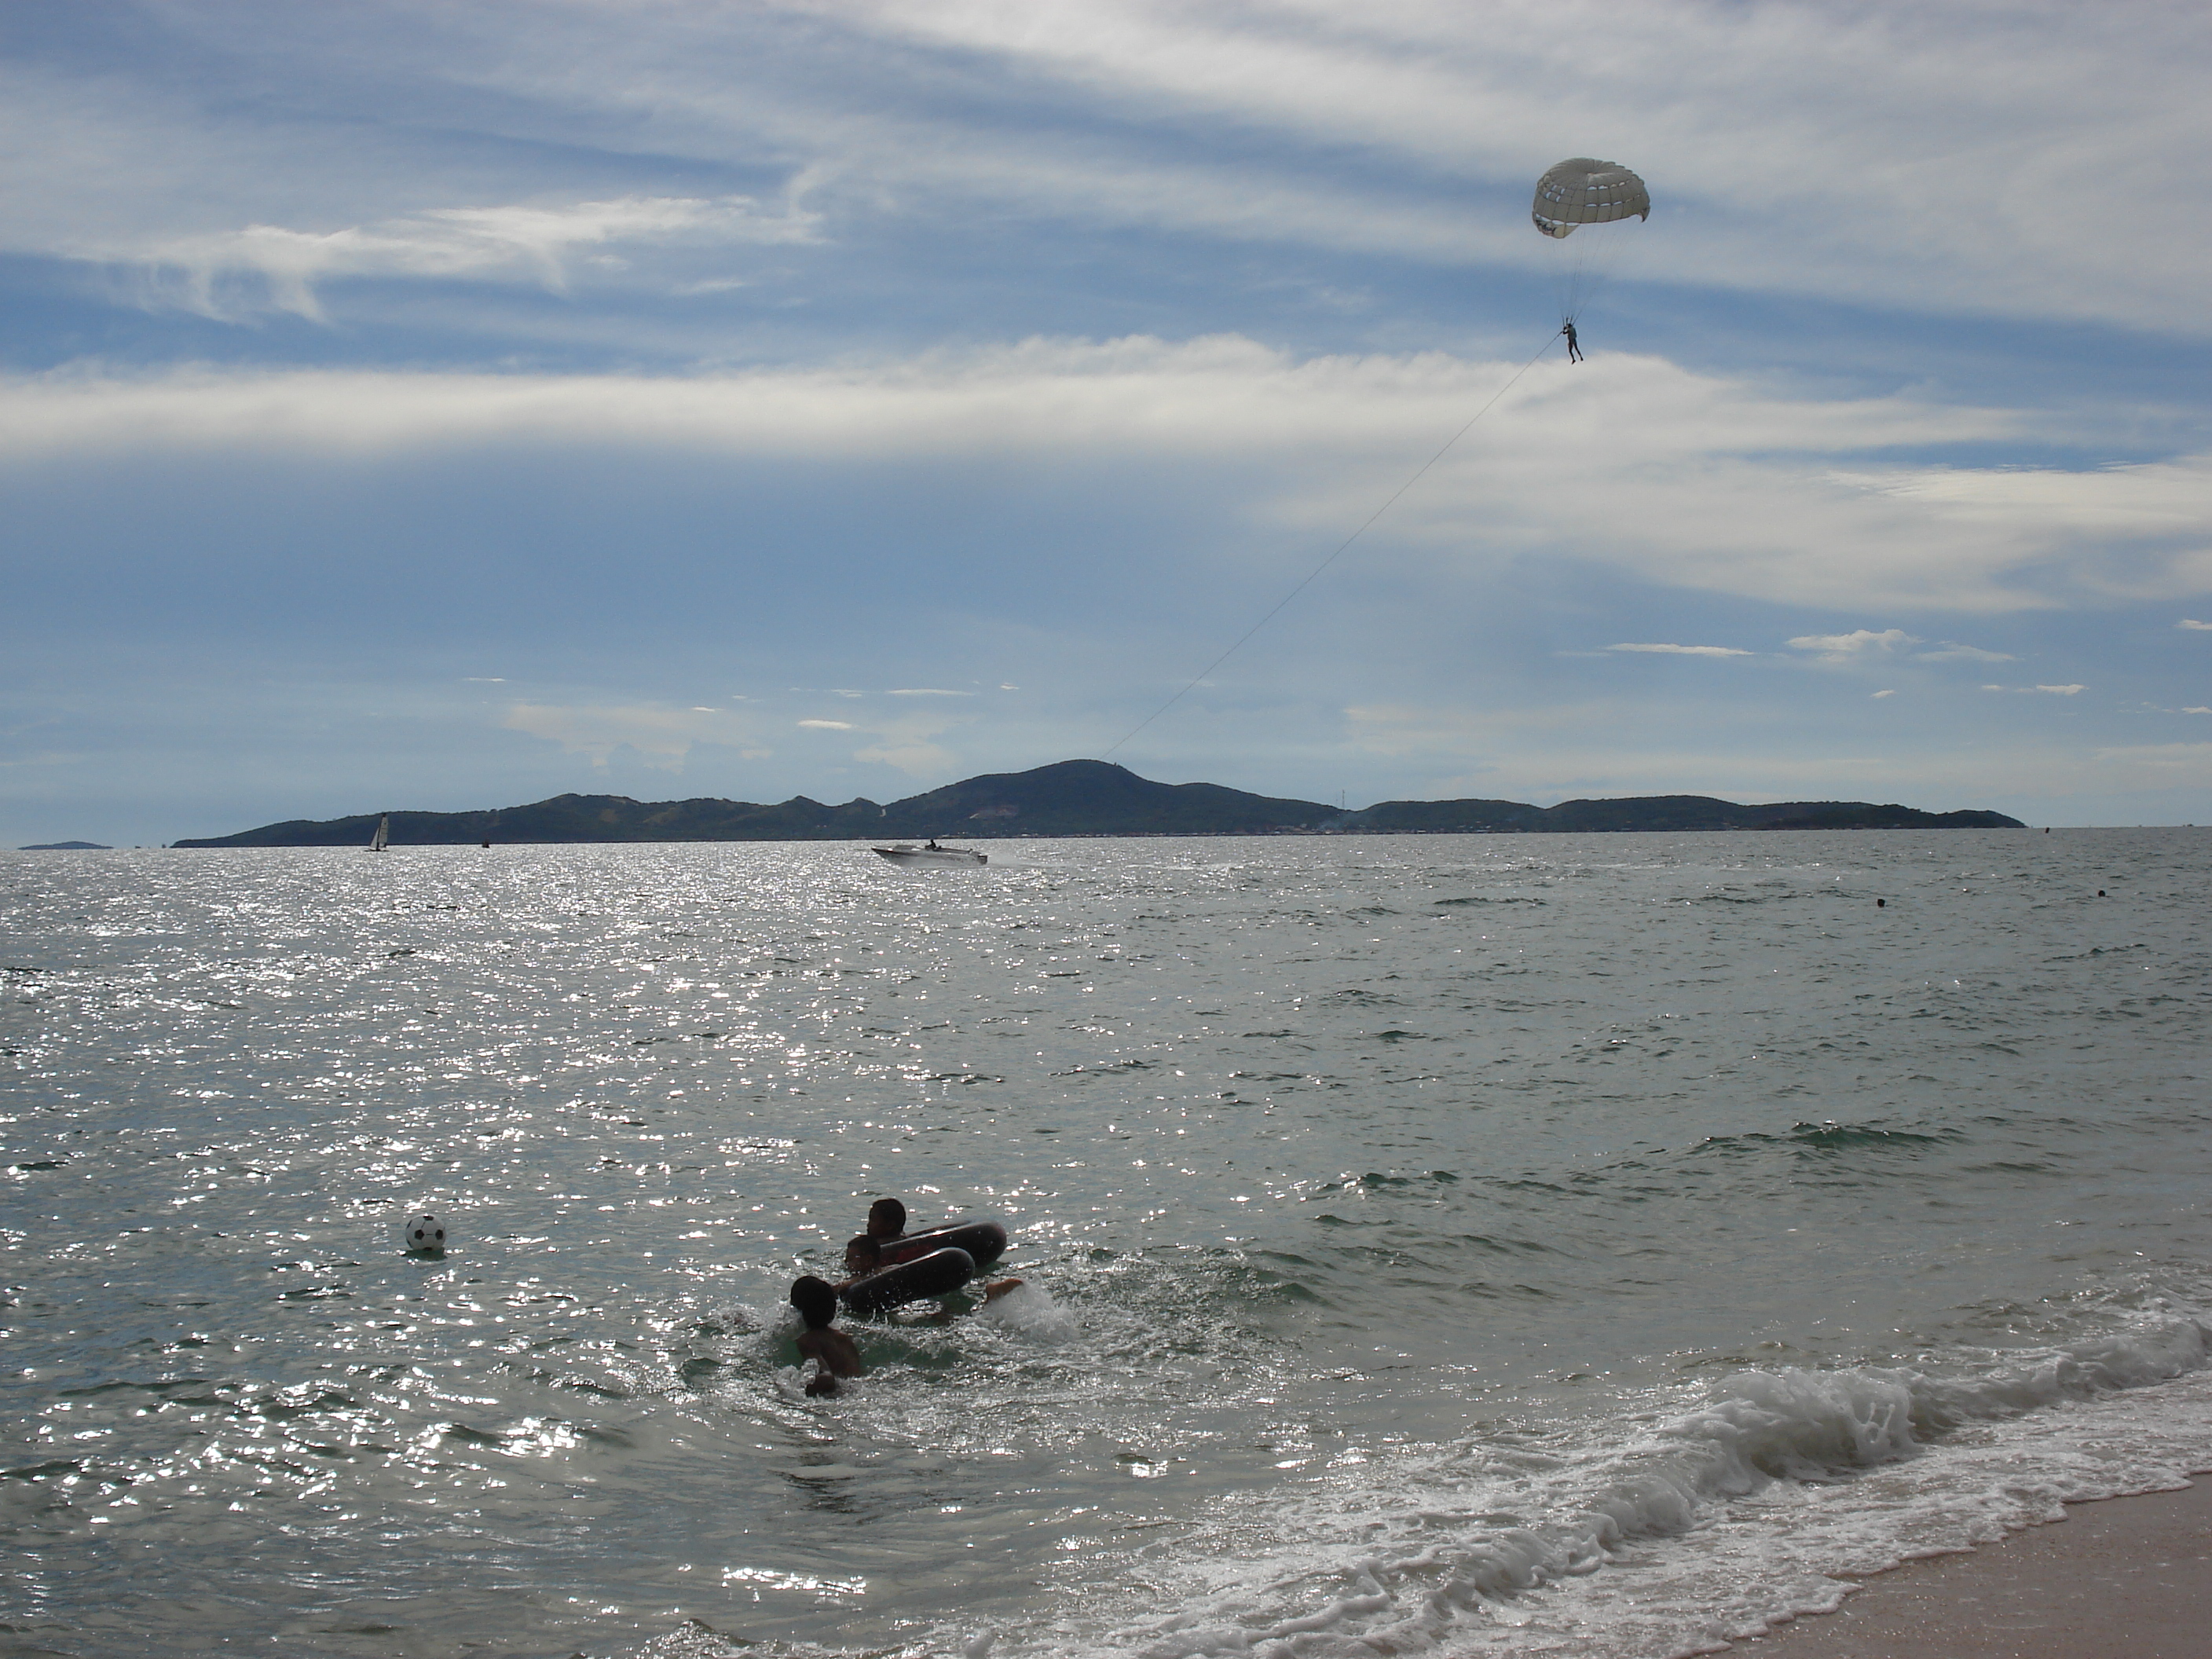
(408, 404)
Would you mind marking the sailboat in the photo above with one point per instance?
(377, 842)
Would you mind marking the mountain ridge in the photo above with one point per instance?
(1072, 798)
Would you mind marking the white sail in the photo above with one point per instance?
(376, 843)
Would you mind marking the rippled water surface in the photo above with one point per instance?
(1579, 1244)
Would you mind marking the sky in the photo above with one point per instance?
(412, 405)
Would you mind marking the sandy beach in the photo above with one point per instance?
(2129, 1577)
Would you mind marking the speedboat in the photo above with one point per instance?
(931, 854)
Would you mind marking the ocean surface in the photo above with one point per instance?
(1588, 1246)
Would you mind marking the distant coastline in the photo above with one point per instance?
(1077, 797)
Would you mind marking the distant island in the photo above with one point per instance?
(66, 847)
(1077, 797)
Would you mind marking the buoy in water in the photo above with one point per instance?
(424, 1235)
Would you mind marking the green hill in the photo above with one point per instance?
(1072, 798)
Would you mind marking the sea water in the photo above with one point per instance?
(1582, 1245)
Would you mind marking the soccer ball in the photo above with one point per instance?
(425, 1235)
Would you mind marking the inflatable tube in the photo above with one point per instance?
(986, 1241)
(886, 1288)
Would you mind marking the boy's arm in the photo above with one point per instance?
(834, 1356)
(946, 1310)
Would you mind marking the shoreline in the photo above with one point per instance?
(2119, 1576)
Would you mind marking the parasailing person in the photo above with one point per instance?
(1579, 191)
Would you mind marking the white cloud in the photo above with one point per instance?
(1685, 650)
(1880, 175)
(1857, 646)
(905, 744)
(1709, 483)
(1877, 171)
(1953, 651)
(660, 737)
(1410, 729)
(2048, 691)
(915, 759)
(1885, 694)
(2194, 759)
(2201, 627)
(664, 738)
(927, 691)
(233, 273)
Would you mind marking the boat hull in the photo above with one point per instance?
(942, 858)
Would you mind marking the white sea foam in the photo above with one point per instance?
(1030, 1312)
(1707, 1525)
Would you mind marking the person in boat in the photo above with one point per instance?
(1574, 345)
(832, 1350)
(933, 847)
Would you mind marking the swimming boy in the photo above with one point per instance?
(864, 1255)
(887, 1220)
(831, 1350)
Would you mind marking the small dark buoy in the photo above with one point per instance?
(1881, 905)
(2101, 892)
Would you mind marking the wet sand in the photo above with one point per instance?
(2130, 1577)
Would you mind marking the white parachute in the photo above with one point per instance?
(1582, 192)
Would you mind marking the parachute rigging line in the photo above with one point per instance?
(1314, 574)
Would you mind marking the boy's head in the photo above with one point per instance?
(815, 1300)
(886, 1218)
(863, 1255)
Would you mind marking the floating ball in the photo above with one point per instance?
(425, 1235)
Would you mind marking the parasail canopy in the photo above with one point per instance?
(1581, 191)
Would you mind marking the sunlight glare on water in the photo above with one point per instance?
(1373, 1196)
